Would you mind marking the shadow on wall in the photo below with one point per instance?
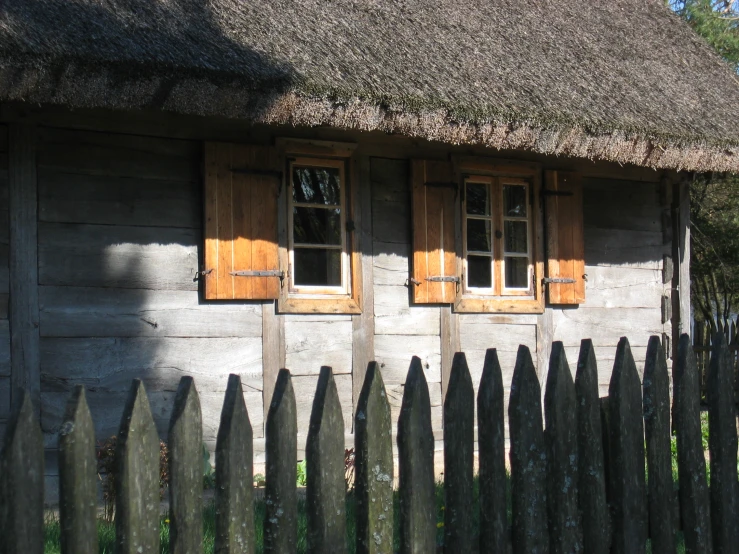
(120, 225)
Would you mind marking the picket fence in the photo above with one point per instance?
(703, 337)
(577, 485)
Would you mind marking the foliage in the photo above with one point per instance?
(349, 468)
(209, 476)
(714, 264)
(717, 21)
(302, 474)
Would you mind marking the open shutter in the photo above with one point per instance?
(565, 241)
(434, 278)
(242, 183)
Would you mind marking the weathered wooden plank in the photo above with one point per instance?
(4, 398)
(591, 464)
(311, 344)
(281, 502)
(560, 411)
(528, 459)
(111, 200)
(628, 500)
(111, 312)
(137, 479)
(4, 348)
(185, 471)
(363, 325)
(681, 255)
(390, 222)
(390, 263)
(623, 287)
(373, 466)
(305, 390)
(416, 465)
(393, 353)
(491, 445)
(449, 339)
(273, 352)
(395, 316)
(502, 337)
(324, 454)
(117, 256)
(77, 478)
(722, 443)
(691, 463)
(459, 438)
(22, 480)
(618, 247)
(605, 325)
(390, 200)
(619, 204)
(234, 496)
(119, 155)
(23, 262)
(390, 179)
(660, 495)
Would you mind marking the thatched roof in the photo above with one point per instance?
(621, 80)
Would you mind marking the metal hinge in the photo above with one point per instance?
(443, 279)
(558, 281)
(261, 273)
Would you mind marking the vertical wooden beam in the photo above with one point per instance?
(681, 261)
(450, 344)
(363, 325)
(24, 313)
(544, 338)
(273, 352)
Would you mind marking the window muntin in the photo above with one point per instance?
(317, 241)
(497, 237)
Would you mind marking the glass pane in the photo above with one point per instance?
(514, 200)
(316, 225)
(480, 271)
(478, 235)
(477, 199)
(317, 267)
(316, 185)
(515, 237)
(517, 273)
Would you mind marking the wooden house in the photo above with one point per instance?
(204, 188)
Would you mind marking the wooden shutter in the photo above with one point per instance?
(565, 240)
(242, 183)
(434, 256)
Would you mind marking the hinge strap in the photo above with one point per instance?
(558, 281)
(443, 279)
(262, 273)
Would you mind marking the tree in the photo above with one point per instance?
(714, 207)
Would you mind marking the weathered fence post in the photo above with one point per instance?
(186, 471)
(722, 442)
(324, 454)
(591, 466)
(234, 495)
(374, 466)
(416, 465)
(137, 477)
(528, 459)
(491, 444)
(459, 444)
(659, 457)
(691, 464)
(22, 473)
(78, 478)
(560, 410)
(627, 455)
(281, 500)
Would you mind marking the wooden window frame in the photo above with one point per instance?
(498, 299)
(325, 300)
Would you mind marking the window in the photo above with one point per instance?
(278, 225)
(496, 226)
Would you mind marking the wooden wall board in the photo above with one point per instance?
(316, 341)
(623, 248)
(204, 358)
(109, 312)
(111, 200)
(605, 326)
(390, 265)
(395, 399)
(119, 155)
(623, 287)
(394, 315)
(118, 256)
(618, 204)
(394, 353)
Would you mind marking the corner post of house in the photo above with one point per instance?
(23, 269)
(681, 257)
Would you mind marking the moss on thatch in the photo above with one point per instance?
(623, 80)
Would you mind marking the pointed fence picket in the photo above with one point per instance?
(564, 476)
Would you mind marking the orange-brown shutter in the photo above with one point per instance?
(565, 240)
(242, 183)
(434, 256)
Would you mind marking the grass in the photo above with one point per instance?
(106, 530)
